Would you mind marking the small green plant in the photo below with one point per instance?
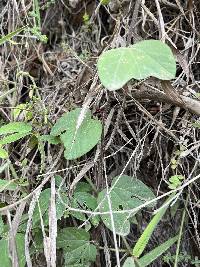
(36, 29)
(175, 181)
(12, 132)
(9, 36)
(115, 68)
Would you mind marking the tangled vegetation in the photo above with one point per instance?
(99, 128)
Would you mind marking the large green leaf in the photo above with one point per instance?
(78, 251)
(77, 142)
(128, 193)
(5, 260)
(147, 58)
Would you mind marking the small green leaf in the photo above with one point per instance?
(7, 185)
(105, 2)
(84, 200)
(76, 246)
(12, 138)
(54, 140)
(129, 262)
(128, 193)
(15, 127)
(3, 153)
(83, 187)
(139, 61)
(196, 124)
(18, 109)
(10, 35)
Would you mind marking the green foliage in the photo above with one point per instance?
(157, 252)
(129, 262)
(13, 127)
(54, 140)
(127, 193)
(83, 199)
(18, 109)
(77, 142)
(104, 2)
(3, 153)
(1, 226)
(78, 250)
(7, 185)
(43, 207)
(12, 138)
(147, 259)
(182, 258)
(196, 125)
(86, 18)
(146, 235)
(12, 132)
(146, 58)
(10, 35)
(36, 29)
(4, 253)
(175, 181)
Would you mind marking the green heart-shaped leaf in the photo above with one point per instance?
(76, 246)
(77, 142)
(128, 193)
(147, 58)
